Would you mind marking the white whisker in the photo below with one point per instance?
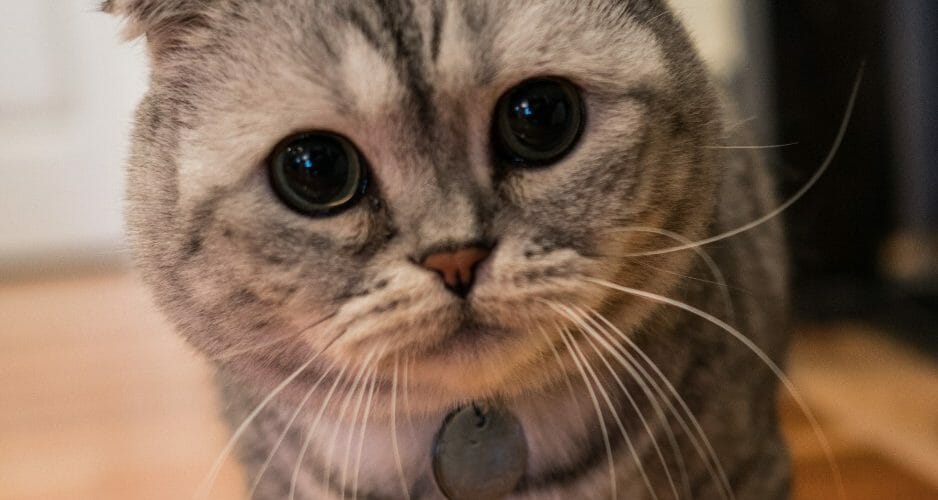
(234, 353)
(599, 415)
(361, 439)
(612, 409)
(372, 370)
(841, 133)
(711, 460)
(566, 376)
(770, 146)
(779, 374)
(585, 327)
(206, 488)
(312, 429)
(711, 264)
(649, 387)
(406, 388)
(735, 126)
(286, 429)
(394, 444)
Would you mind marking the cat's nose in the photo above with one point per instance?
(457, 268)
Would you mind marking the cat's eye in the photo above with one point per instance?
(318, 173)
(538, 122)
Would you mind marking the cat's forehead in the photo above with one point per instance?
(357, 52)
(380, 68)
(423, 47)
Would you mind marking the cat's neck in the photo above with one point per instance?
(561, 428)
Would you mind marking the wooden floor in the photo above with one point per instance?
(100, 401)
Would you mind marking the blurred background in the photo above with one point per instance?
(100, 400)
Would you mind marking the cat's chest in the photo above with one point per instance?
(394, 458)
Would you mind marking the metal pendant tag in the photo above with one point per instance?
(479, 454)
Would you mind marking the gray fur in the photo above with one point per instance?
(260, 289)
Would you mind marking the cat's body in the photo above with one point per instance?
(722, 382)
(342, 308)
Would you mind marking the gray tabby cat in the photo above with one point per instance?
(371, 214)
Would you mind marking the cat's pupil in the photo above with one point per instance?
(538, 121)
(316, 174)
(317, 169)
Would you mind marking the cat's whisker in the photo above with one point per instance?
(615, 415)
(206, 488)
(343, 478)
(825, 165)
(312, 428)
(712, 462)
(590, 331)
(613, 482)
(731, 128)
(655, 17)
(406, 388)
(577, 353)
(749, 344)
(698, 279)
(358, 393)
(394, 444)
(566, 376)
(234, 353)
(768, 146)
(322, 409)
(705, 256)
(725, 291)
(367, 415)
(286, 429)
(646, 384)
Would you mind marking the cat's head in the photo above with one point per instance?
(421, 181)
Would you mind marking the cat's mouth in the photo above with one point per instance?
(469, 333)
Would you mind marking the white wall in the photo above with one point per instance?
(67, 90)
(716, 26)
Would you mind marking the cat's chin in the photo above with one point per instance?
(478, 363)
(464, 350)
(442, 385)
(467, 338)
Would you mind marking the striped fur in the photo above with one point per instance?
(261, 290)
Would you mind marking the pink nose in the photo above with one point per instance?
(457, 269)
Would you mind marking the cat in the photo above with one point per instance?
(373, 215)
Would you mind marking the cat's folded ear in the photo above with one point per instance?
(155, 19)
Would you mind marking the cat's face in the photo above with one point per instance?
(414, 87)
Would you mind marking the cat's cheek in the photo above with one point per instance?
(402, 313)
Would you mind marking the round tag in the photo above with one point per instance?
(479, 454)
